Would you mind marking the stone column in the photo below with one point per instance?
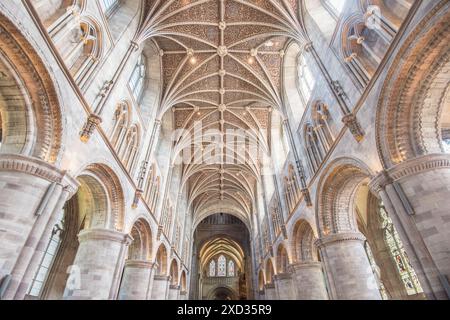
(183, 295)
(347, 267)
(160, 288)
(262, 295)
(95, 273)
(285, 286)
(416, 197)
(309, 281)
(31, 193)
(174, 292)
(135, 280)
(271, 292)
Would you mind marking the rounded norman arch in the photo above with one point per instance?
(161, 260)
(141, 246)
(336, 193)
(417, 88)
(303, 242)
(29, 105)
(103, 194)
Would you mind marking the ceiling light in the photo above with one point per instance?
(269, 43)
(251, 60)
(193, 60)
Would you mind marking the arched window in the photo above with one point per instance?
(212, 268)
(109, 6)
(49, 257)
(376, 271)
(306, 80)
(81, 50)
(121, 123)
(132, 145)
(137, 80)
(222, 266)
(401, 260)
(335, 6)
(231, 271)
(314, 153)
(322, 120)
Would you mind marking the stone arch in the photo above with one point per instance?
(336, 192)
(161, 260)
(416, 88)
(222, 293)
(183, 281)
(261, 280)
(282, 260)
(141, 246)
(30, 111)
(270, 271)
(174, 280)
(303, 238)
(104, 197)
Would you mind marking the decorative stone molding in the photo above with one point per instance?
(410, 168)
(141, 264)
(339, 237)
(105, 234)
(175, 287)
(38, 168)
(306, 265)
(282, 276)
(162, 278)
(30, 68)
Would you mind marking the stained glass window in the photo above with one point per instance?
(395, 245)
(212, 268)
(222, 267)
(231, 272)
(47, 261)
(376, 271)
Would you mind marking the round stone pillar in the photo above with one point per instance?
(32, 192)
(271, 292)
(96, 271)
(309, 281)
(348, 269)
(136, 280)
(174, 292)
(160, 288)
(284, 286)
(262, 295)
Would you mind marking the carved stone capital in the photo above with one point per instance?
(306, 265)
(282, 276)
(380, 182)
(339, 237)
(38, 168)
(139, 264)
(104, 234)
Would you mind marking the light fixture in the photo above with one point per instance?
(251, 60)
(269, 43)
(193, 60)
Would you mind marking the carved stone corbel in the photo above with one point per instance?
(88, 129)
